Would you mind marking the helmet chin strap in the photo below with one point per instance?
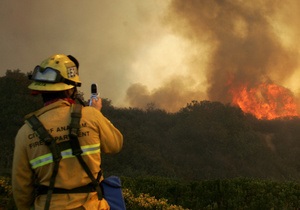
(73, 95)
(75, 98)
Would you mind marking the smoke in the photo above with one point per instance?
(105, 36)
(170, 96)
(245, 42)
(165, 53)
(247, 49)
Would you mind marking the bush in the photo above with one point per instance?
(238, 193)
(168, 194)
(6, 200)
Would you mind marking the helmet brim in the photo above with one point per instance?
(41, 86)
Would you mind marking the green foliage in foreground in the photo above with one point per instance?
(238, 193)
(160, 193)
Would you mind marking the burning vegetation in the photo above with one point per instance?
(267, 100)
(244, 43)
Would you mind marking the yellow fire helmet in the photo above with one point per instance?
(56, 73)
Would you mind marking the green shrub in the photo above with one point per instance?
(6, 200)
(238, 193)
(156, 193)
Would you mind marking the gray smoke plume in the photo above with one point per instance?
(105, 36)
(244, 47)
(225, 43)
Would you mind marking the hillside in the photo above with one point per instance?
(204, 140)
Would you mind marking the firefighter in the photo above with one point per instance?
(57, 79)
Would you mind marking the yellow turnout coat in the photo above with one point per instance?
(33, 159)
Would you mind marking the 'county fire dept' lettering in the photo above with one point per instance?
(56, 138)
(63, 128)
(35, 144)
(61, 138)
(58, 129)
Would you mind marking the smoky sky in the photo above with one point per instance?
(165, 53)
(246, 47)
(105, 36)
(245, 42)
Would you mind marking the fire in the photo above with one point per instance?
(265, 101)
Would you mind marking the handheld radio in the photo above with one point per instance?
(94, 92)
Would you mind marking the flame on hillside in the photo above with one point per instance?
(265, 101)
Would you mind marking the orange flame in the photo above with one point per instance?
(265, 101)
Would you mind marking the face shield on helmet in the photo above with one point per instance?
(57, 73)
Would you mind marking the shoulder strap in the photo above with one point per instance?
(74, 129)
(76, 149)
(44, 135)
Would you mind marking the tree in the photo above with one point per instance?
(15, 103)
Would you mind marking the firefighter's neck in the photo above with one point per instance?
(70, 100)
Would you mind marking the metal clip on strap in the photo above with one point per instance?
(76, 116)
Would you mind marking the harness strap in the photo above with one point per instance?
(42, 190)
(55, 149)
(74, 129)
(76, 149)
(43, 134)
(51, 185)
